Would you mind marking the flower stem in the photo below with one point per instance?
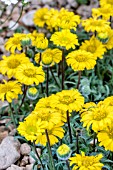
(25, 90)
(38, 155)
(69, 127)
(52, 165)
(67, 163)
(12, 115)
(54, 77)
(79, 76)
(63, 75)
(47, 81)
(77, 146)
(94, 141)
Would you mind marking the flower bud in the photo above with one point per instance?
(32, 93)
(64, 152)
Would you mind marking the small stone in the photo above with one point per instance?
(29, 167)
(31, 159)
(9, 152)
(73, 3)
(25, 149)
(3, 135)
(15, 167)
(62, 2)
(13, 25)
(27, 19)
(24, 161)
(13, 132)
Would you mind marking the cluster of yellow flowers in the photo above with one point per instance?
(50, 114)
(100, 118)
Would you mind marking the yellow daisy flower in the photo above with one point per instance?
(46, 103)
(51, 19)
(65, 39)
(97, 116)
(54, 132)
(39, 17)
(40, 41)
(67, 100)
(105, 11)
(105, 136)
(10, 90)
(14, 42)
(83, 162)
(64, 152)
(29, 74)
(94, 46)
(109, 101)
(94, 24)
(10, 64)
(81, 59)
(67, 19)
(109, 43)
(106, 2)
(31, 129)
(49, 57)
(51, 116)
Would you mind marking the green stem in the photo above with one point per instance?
(77, 146)
(69, 127)
(63, 75)
(25, 90)
(52, 165)
(67, 163)
(38, 155)
(47, 82)
(79, 76)
(12, 115)
(54, 76)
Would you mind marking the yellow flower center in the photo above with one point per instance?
(66, 99)
(6, 88)
(91, 49)
(16, 41)
(29, 72)
(81, 58)
(63, 149)
(87, 161)
(33, 90)
(47, 59)
(44, 116)
(13, 63)
(31, 129)
(100, 114)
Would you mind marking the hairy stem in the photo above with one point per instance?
(52, 165)
(38, 155)
(12, 115)
(67, 163)
(63, 75)
(47, 82)
(69, 127)
(79, 76)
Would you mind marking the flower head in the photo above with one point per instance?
(40, 41)
(32, 128)
(65, 39)
(97, 116)
(54, 132)
(94, 46)
(68, 100)
(63, 152)
(67, 19)
(81, 59)
(94, 24)
(105, 136)
(39, 17)
(104, 11)
(10, 64)
(29, 74)
(49, 57)
(32, 93)
(81, 161)
(10, 90)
